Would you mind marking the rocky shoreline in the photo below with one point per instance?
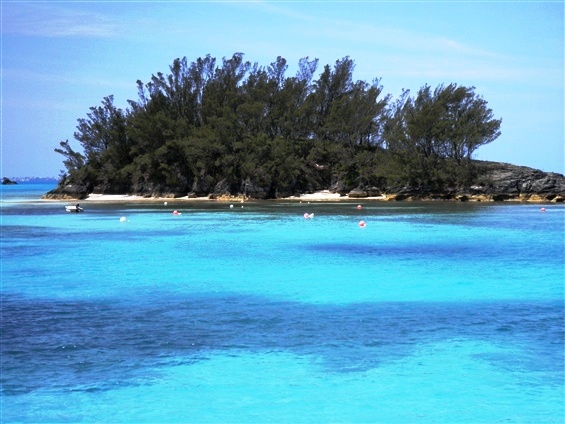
(497, 182)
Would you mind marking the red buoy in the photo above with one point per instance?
(362, 223)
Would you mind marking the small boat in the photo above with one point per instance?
(74, 208)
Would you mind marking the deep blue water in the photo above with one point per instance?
(433, 312)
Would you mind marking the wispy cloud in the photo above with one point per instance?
(405, 51)
(343, 30)
(47, 20)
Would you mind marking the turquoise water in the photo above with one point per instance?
(432, 312)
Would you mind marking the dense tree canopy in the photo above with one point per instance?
(240, 127)
(435, 134)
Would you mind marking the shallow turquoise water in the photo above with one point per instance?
(433, 312)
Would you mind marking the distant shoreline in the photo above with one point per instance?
(495, 182)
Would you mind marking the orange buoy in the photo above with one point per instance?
(175, 212)
(359, 207)
(362, 223)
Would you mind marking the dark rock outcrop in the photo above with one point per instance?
(503, 181)
(221, 189)
(339, 187)
(68, 191)
(253, 190)
(357, 193)
(7, 181)
(373, 192)
(495, 181)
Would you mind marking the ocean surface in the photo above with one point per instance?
(251, 313)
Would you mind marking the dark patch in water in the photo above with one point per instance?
(92, 346)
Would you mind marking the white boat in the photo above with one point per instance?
(74, 208)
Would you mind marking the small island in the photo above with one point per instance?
(7, 181)
(236, 129)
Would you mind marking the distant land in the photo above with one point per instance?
(34, 180)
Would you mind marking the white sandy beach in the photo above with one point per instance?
(324, 195)
(114, 197)
(319, 196)
(132, 198)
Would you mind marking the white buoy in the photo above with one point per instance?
(231, 206)
(165, 203)
(123, 219)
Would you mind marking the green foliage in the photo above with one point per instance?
(434, 135)
(238, 122)
(73, 160)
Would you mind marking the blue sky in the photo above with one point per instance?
(59, 58)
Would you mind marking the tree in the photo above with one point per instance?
(431, 132)
(73, 160)
(104, 127)
(106, 147)
(467, 123)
